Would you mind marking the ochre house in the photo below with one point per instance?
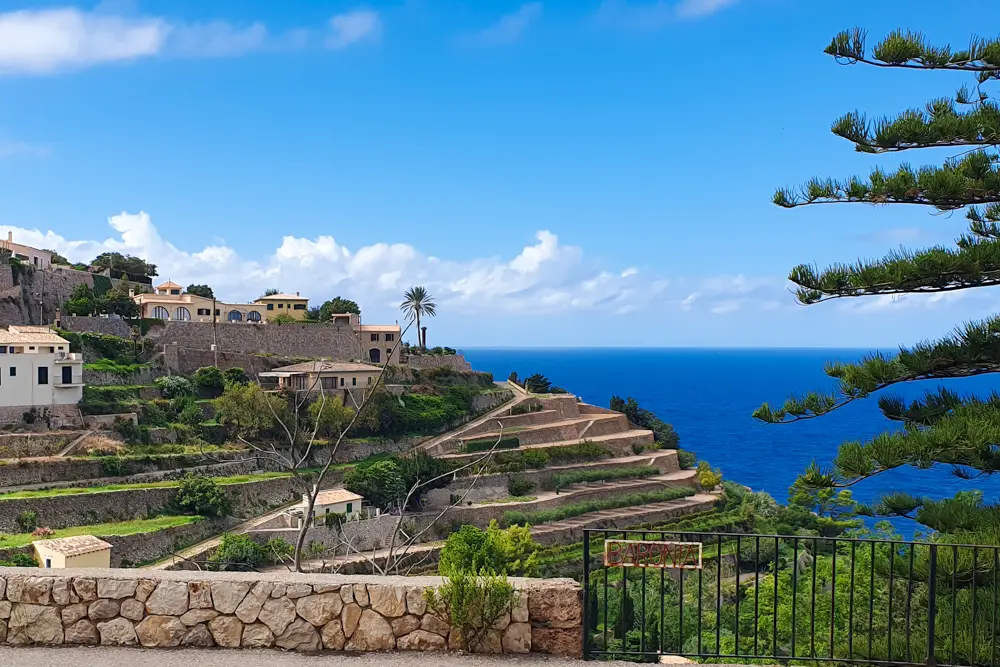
(76, 551)
(171, 302)
(342, 379)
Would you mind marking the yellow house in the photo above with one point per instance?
(77, 551)
(345, 379)
(331, 501)
(293, 305)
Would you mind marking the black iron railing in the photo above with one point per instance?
(789, 599)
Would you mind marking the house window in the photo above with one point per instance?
(299, 306)
(281, 305)
(61, 348)
(390, 337)
(13, 371)
(350, 507)
(204, 311)
(43, 375)
(3, 349)
(175, 291)
(270, 306)
(354, 381)
(370, 379)
(341, 382)
(374, 337)
(31, 347)
(51, 349)
(48, 562)
(217, 312)
(67, 375)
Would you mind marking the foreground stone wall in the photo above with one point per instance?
(296, 612)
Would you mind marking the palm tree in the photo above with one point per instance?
(416, 303)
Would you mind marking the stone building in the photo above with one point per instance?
(170, 302)
(37, 370)
(76, 551)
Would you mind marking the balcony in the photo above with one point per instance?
(69, 357)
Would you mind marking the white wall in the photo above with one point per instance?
(22, 387)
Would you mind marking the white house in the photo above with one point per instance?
(37, 370)
(40, 259)
(76, 551)
(332, 501)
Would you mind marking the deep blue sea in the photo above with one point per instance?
(708, 396)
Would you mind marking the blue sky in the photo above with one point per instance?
(557, 173)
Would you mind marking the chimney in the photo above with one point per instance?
(10, 237)
(296, 294)
(131, 293)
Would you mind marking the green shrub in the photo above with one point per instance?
(132, 433)
(708, 478)
(563, 480)
(535, 458)
(585, 451)
(686, 459)
(496, 550)
(524, 408)
(237, 552)
(519, 486)
(172, 386)
(235, 375)
(111, 393)
(27, 521)
(19, 560)
(209, 381)
(638, 448)
(114, 367)
(473, 604)
(576, 509)
(486, 444)
(200, 495)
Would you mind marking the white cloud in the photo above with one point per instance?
(546, 277)
(508, 29)
(353, 27)
(53, 40)
(631, 15)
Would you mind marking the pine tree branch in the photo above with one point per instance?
(939, 125)
(970, 351)
(910, 50)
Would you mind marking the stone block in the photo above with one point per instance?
(319, 609)
(85, 588)
(199, 595)
(257, 635)
(166, 631)
(404, 625)
(198, 636)
(196, 616)
(115, 589)
(517, 638)
(34, 624)
(300, 635)
(564, 642)
(227, 596)
(169, 599)
(30, 590)
(421, 640)
(332, 635)
(70, 614)
(227, 631)
(133, 610)
(144, 589)
(117, 632)
(372, 634)
(253, 602)
(555, 606)
(103, 610)
(361, 595)
(82, 631)
(387, 600)
(349, 617)
(277, 614)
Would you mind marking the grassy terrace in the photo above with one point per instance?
(511, 518)
(50, 493)
(8, 541)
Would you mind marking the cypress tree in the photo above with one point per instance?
(942, 428)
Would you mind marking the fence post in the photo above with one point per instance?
(932, 605)
(586, 595)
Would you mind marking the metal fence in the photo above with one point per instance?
(788, 599)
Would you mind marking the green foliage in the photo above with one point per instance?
(663, 433)
(134, 266)
(417, 304)
(114, 367)
(381, 483)
(237, 552)
(537, 383)
(508, 551)
(329, 416)
(686, 459)
(81, 301)
(562, 480)
(336, 306)
(27, 521)
(201, 290)
(281, 318)
(249, 410)
(486, 444)
(19, 560)
(209, 381)
(524, 408)
(708, 478)
(519, 486)
(57, 258)
(270, 291)
(172, 386)
(412, 414)
(472, 604)
(235, 375)
(200, 495)
(585, 507)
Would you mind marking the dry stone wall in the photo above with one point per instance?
(455, 362)
(293, 612)
(21, 445)
(101, 325)
(333, 341)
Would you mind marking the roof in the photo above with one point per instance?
(169, 285)
(72, 546)
(336, 496)
(380, 327)
(325, 367)
(36, 335)
(283, 297)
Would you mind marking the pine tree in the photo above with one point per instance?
(942, 428)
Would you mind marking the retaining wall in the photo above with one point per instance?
(22, 445)
(296, 612)
(423, 362)
(101, 325)
(144, 376)
(248, 499)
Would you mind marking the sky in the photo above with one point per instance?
(556, 173)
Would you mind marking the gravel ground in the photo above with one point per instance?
(134, 657)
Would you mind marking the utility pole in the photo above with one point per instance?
(215, 334)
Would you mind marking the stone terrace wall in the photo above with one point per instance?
(101, 325)
(248, 499)
(18, 445)
(333, 341)
(296, 612)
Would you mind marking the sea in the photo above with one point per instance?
(708, 395)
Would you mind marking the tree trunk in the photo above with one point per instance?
(420, 340)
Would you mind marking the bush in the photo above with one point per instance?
(708, 478)
(132, 433)
(585, 451)
(380, 483)
(172, 386)
(27, 521)
(519, 486)
(524, 408)
(638, 448)
(686, 459)
(19, 560)
(486, 444)
(235, 375)
(201, 496)
(563, 480)
(509, 551)
(237, 552)
(209, 381)
(535, 458)
(576, 509)
(473, 604)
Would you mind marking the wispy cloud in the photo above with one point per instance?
(22, 148)
(508, 29)
(656, 15)
(53, 40)
(354, 27)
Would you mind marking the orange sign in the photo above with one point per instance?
(660, 555)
